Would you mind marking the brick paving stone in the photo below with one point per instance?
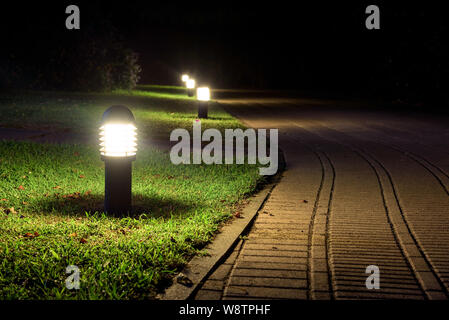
(265, 259)
(382, 290)
(352, 269)
(358, 295)
(270, 265)
(320, 281)
(268, 282)
(276, 241)
(318, 252)
(428, 280)
(320, 295)
(384, 283)
(363, 262)
(436, 295)
(406, 279)
(319, 264)
(363, 252)
(265, 273)
(263, 292)
(275, 253)
(281, 247)
(208, 295)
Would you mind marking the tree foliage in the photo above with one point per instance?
(90, 59)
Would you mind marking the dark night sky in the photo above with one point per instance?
(276, 44)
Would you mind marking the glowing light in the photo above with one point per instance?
(185, 77)
(203, 93)
(190, 83)
(118, 140)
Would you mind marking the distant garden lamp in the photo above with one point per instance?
(118, 150)
(185, 77)
(203, 97)
(190, 84)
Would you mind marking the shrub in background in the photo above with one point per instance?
(94, 58)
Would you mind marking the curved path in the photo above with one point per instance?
(361, 188)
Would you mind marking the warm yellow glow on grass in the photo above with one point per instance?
(118, 140)
(203, 93)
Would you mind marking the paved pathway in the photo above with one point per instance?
(360, 189)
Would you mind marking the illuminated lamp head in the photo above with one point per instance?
(118, 133)
(190, 84)
(203, 93)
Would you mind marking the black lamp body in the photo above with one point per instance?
(117, 187)
(203, 107)
(190, 92)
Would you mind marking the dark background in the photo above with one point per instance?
(323, 47)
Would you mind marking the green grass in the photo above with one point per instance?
(56, 191)
(153, 94)
(162, 89)
(157, 114)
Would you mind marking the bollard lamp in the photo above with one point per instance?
(190, 84)
(185, 77)
(203, 97)
(118, 150)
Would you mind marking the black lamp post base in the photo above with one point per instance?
(190, 92)
(117, 191)
(203, 107)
